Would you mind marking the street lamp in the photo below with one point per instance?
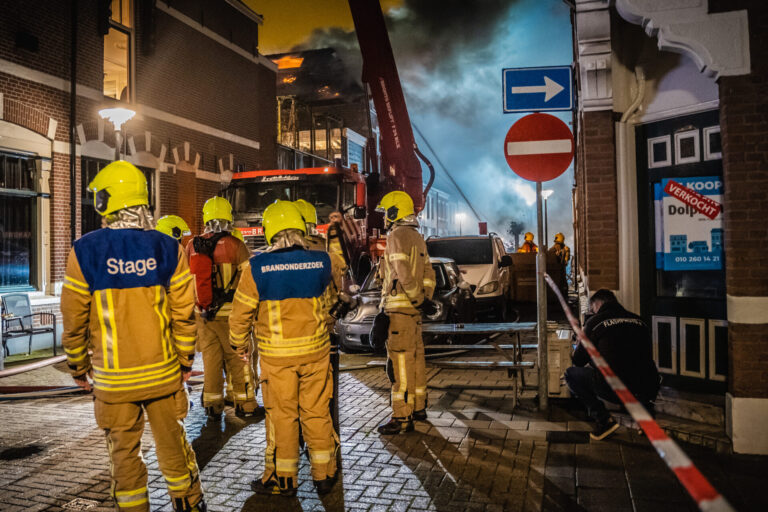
(460, 218)
(545, 195)
(117, 116)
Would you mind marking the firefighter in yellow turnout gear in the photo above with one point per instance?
(215, 259)
(128, 298)
(285, 294)
(408, 282)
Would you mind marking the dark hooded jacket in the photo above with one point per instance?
(624, 341)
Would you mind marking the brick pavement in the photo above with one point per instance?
(475, 453)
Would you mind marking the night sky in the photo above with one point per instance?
(450, 54)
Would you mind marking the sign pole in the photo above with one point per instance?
(541, 301)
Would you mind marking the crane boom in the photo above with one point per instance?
(400, 169)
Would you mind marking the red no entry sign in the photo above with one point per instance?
(539, 147)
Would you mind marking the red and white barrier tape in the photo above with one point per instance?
(702, 492)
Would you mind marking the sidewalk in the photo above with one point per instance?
(474, 453)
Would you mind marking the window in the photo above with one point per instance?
(17, 220)
(117, 51)
(712, 145)
(89, 217)
(687, 147)
(659, 152)
(478, 251)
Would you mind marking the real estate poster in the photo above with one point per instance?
(689, 223)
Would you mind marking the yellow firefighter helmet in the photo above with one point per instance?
(279, 216)
(529, 237)
(395, 206)
(118, 185)
(559, 238)
(307, 210)
(237, 234)
(173, 226)
(217, 208)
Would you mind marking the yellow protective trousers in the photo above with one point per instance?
(405, 348)
(293, 394)
(218, 356)
(123, 424)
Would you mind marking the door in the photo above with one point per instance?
(682, 267)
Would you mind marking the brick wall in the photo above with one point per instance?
(598, 216)
(188, 75)
(744, 132)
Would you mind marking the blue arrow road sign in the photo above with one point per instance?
(537, 89)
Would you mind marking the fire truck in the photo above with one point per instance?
(346, 190)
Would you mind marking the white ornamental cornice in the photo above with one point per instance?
(593, 40)
(718, 42)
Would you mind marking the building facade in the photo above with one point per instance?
(204, 101)
(671, 173)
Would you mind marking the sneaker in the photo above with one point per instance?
(604, 429)
(420, 415)
(271, 488)
(325, 486)
(396, 426)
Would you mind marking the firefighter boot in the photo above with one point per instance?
(271, 487)
(420, 415)
(396, 426)
(325, 486)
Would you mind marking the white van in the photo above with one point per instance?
(484, 264)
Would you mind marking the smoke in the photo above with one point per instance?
(449, 55)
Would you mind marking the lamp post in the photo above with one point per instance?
(460, 218)
(545, 195)
(117, 116)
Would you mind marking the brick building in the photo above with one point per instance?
(672, 98)
(204, 100)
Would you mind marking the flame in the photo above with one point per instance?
(289, 62)
(289, 79)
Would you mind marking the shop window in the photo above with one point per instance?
(718, 349)
(687, 147)
(659, 152)
(17, 221)
(665, 343)
(692, 347)
(712, 145)
(117, 52)
(90, 219)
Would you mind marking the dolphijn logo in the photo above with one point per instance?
(138, 267)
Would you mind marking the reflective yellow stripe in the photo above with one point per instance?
(127, 499)
(77, 350)
(136, 377)
(100, 316)
(120, 387)
(178, 483)
(247, 300)
(184, 280)
(398, 396)
(73, 359)
(397, 256)
(175, 279)
(133, 369)
(184, 338)
(420, 391)
(429, 283)
(278, 350)
(74, 289)
(166, 316)
(287, 465)
(163, 325)
(320, 456)
(76, 282)
(113, 327)
(275, 325)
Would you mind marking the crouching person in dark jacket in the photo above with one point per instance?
(624, 341)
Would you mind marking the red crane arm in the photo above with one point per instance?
(400, 168)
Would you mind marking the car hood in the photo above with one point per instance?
(477, 275)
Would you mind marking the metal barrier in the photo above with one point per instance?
(703, 493)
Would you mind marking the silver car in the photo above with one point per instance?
(452, 294)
